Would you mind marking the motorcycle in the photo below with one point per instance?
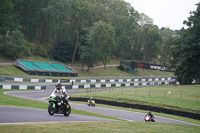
(148, 118)
(92, 103)
(59, 104)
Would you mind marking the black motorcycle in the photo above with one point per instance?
(59, 104)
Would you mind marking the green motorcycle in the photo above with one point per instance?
(58, 103)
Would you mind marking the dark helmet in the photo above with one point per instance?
(58, 86)
(149, 112)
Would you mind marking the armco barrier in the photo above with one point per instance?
(2, 79)
(107, 85)
(142, 107)
(22, 87)
(93, 80)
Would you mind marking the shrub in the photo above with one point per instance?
(121, 67)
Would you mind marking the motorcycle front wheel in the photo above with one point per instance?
(51, 109)
(68, 111)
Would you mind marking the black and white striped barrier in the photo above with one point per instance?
(22, 87)
(107, 85)
(120, 80)
(98, 85)
(115, 80)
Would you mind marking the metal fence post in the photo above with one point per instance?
(149, 92)
(135, 91)
(181, 95)
(164, 93)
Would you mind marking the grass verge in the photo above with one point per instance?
(99, 127)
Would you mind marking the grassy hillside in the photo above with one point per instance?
(113, 71)
(181, 97)
(94, 72)
(100, 72)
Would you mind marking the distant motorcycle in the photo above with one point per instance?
(59, 105)
(92, 103)
(148, 118)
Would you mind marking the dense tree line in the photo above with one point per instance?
(90, 31)
(187, 54)
(183, 52)
(60, 28)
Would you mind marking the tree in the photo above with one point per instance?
(123, 18)
(136, 49)
(170, 39)
(2, 41)
(188, 51)
(84, 12)
(43, 22)
(74, 17)
(62, 48)
(102, 36)
(151, 42)
(16, 46)
(5, 16)
(144, 19)
(88, 56)
(33, 21)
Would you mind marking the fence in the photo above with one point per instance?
(2, 79)
(94, 79)
(22, 87)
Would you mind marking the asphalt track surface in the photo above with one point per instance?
(27, 115)
(23, 115)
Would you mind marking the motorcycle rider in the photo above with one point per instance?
(90, 100)
(151, 116)
(60, 90)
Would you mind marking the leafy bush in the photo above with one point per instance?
(16, 45)
(128, 69)
(39, 50)
(121, 67)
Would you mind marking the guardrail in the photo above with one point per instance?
(92, 80)
(127, 84)
(23, 87)
(2, 79)
(142, 107)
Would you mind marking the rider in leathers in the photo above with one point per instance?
(60, 90)
(90, 100)
(151, 115)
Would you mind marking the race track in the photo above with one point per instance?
(43, 116)
(27, 115)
